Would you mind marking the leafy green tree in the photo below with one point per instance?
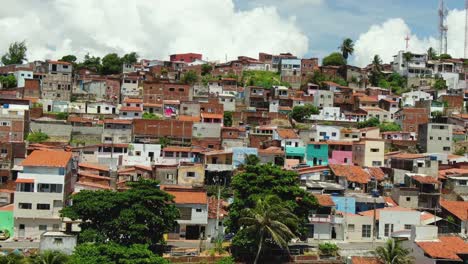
(111, 64)
(265, 179)
(393, 253)
(319, 78)
(190, 77)
(12, 258)
(347, 48)
(301, 112)
(49, 257)
(164, 142)
(371, 122)
(334, 59)
(328, 248)
(37, 137)
(407, 57)
(437, 116)
(226, 260)
(113, 253)
(376, 70)
(8, 81)
(206, 69)
(16, 53)
(439, 84)
(69, 58)
(90, 63)
(227, 119)
(269, 219)
(431, 54)
(62, 116)
(140, 215)
(147, 115)
(265, 79)
(251, 160)
(445, 56)
(384, 127)
(130, 58)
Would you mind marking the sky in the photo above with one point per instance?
(222, 29)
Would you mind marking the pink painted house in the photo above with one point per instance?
(340, 152)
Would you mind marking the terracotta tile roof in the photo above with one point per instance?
(377, 173)
(407, 156)
(324, 200)
(78, 119)
(271, 150)
(141, 167)
(24, 180)
(365, 260)
(287, 133)
(425, 179)
(366, 98)
(182, 149)
(213, 208)
(389, 201)
(118, 121)
(189, 118)
(186, 195)
(209, 115)
(443, 174)
(446, 248)
(131, 109)
(8, 207)
(377, 212)
(152, 105)
(95, 185)
(373, 109)
(457, 208)
(351, 172)
(94, 176)
(133, 100)
(47, 158)
(93, 166)
(171, 102)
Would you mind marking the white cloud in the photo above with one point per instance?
(388, 38)
(154, 29)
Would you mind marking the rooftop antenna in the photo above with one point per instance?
(407, 38)
(443, 28)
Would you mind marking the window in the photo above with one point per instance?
(184, 154)
(374, 150)
(169, 154)
(447, 138)
(446, 148)
(26, 187)
(333, 134)
(58, 240)
(181, 89)
(49, 188)
(366, 231)
(431, 138)
(190, 174)
(4, 151)
(316, 146)
(137, 153)
(185, 213)
(171, 89)
(408, 199)
(43, 206)
(25, 206)
(199, 210)
(169, 176)
(388, 229)
(55, 227)
(350, 228)
(376, 163)
(439, 138)
(137, 114)
(42, 227)
(408, 227)
(462, 182)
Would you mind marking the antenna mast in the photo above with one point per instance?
(443, 28)
(407, 38)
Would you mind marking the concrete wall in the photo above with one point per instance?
(354, 227)
(198, 218)
(53, 130)
(199, 177)
(32, 226)
(58, 241)
(399, 219)
(208, 130)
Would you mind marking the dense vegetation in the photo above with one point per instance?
(266, 79)
(301, 112)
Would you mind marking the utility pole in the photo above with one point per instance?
(218, 205)
(374, 231)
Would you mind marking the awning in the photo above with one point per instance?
(22, 180)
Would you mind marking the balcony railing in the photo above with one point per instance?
(324, 218)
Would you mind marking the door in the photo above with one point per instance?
(49, 108)
(311, 231)
(21, 231)
(113, 110)
(333, 233)
(192, 232)
(151, 155)
(99, 109)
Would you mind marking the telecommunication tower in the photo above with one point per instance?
(443, 28)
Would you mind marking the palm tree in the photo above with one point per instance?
(393, 253)
(347, 48)
(269, 219)
(376, 70)
(49, 257)
(431, 54)
(12, 258)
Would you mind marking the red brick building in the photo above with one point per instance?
(146, 130)
(186, 57)
(157, 92)
(410, 118)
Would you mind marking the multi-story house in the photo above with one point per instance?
(410, 98)
(193, 211)
(57, 82)
(369, 152)
(14, 123)
(410, 118)
(435, 138)
(131, 108)
(416, 65)
(41, 192)
(156, 92)
(117, 131)
(130, 85)
(146, 130)
(290, 70)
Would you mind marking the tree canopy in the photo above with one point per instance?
(347, 48)
(69, 58)
(8, 81)
(393, 253)
(265, 79)
(16, 53)
(111, 64)
(227, 119)
(139, 215)
(37, 137)
(206, 69)
(334, 59)
(147, 115)
(130, 58)
(113, 253)
(371, 122)
(301, 112)
(190, 77)
(319, 78)
(439, 84)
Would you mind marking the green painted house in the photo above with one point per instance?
(295, 152)
(6, 219)
(317, 154)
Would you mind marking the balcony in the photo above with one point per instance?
(324, 218)
(218, 167)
